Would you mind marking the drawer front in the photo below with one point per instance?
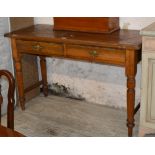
(148, 43)
(42, 48)
(97, 54)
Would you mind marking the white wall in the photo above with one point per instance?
(43, 20)
(96, 83)
(125, 22)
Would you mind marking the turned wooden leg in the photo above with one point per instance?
(131, 69)
(20, 83)
(44, 75)
(19, 74)
(130, 104)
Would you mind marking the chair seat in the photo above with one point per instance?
(6, 132)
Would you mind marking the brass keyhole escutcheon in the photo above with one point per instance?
(93, 53)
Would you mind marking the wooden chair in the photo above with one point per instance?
(10, 106)
(9, 131)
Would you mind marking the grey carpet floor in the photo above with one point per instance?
(62, 117)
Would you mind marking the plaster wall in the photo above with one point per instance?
(96, 83)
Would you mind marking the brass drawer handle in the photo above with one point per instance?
(93, 53)
(37, 47)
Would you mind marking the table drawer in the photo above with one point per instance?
(43, 48)
(97, 54)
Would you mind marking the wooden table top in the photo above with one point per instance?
(123, 39)
(6, 132)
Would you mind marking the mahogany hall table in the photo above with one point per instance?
(120, 48)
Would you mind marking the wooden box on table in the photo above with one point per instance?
(87, 24)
